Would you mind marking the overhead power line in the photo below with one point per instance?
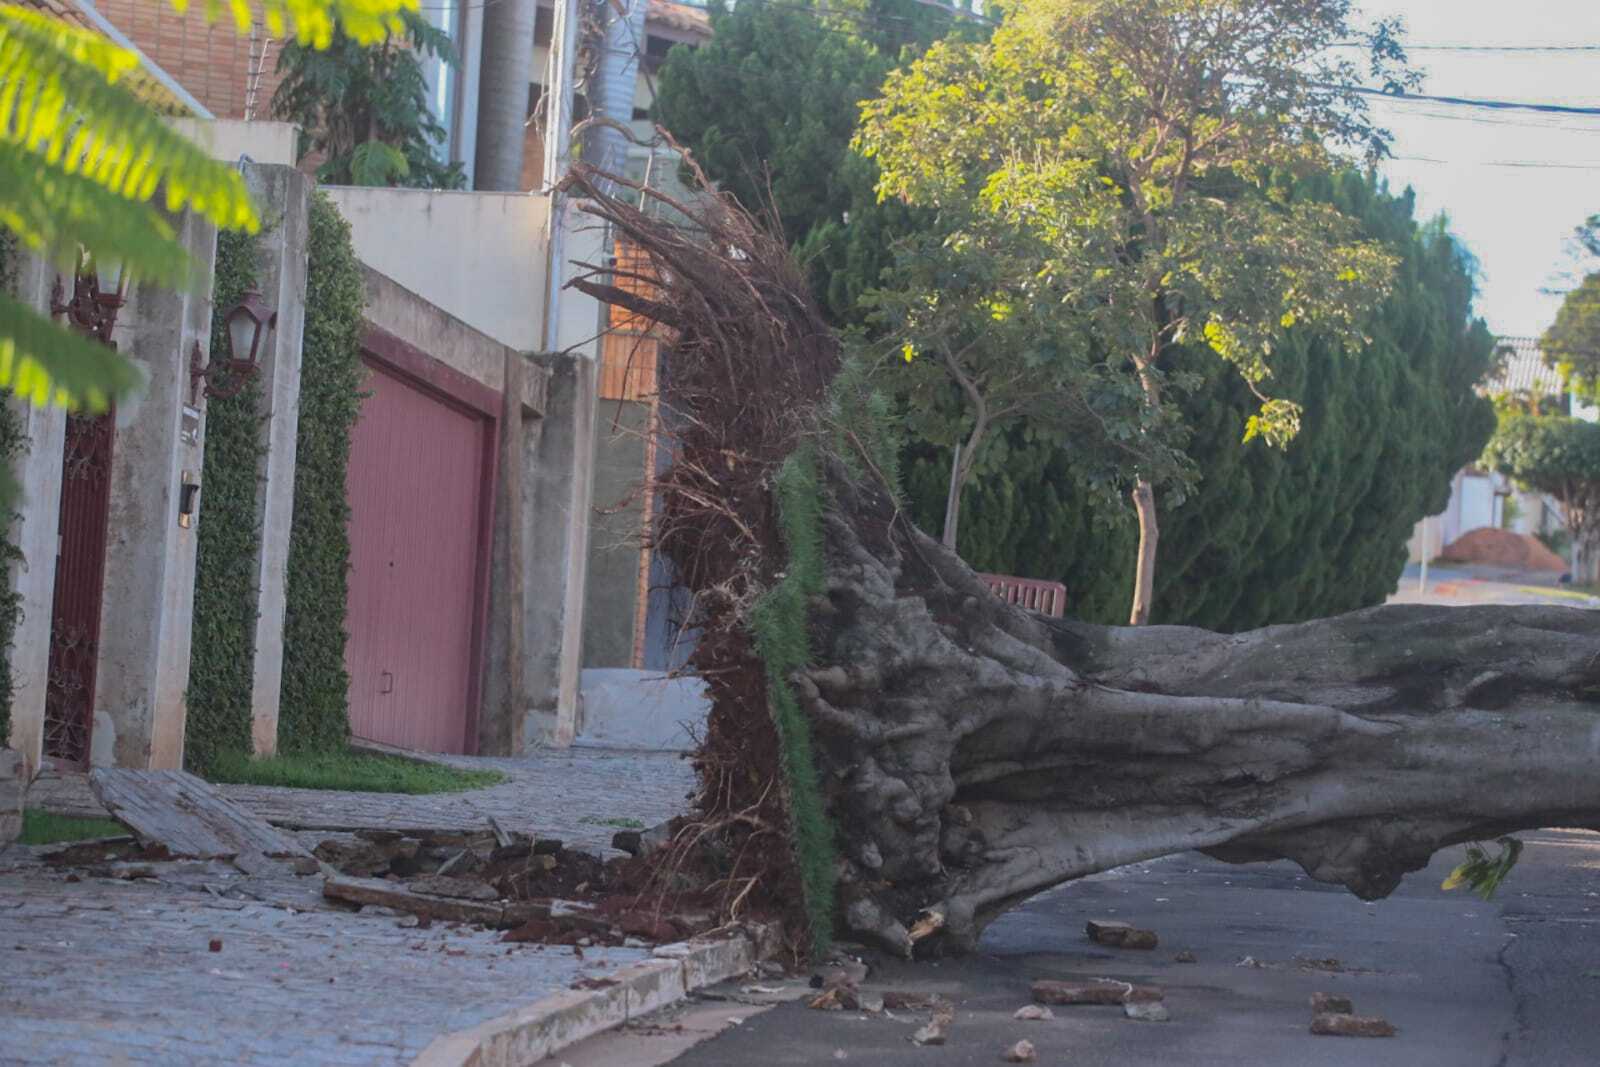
(1462, 101)
(1481, 47)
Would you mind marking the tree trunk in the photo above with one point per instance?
(969, 753)
(1144, 574)
(973, 754)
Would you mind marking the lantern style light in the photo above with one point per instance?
(248, 322)
(96, 298)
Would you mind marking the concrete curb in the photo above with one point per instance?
(554, 1022)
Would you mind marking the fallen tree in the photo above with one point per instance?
(963, 754)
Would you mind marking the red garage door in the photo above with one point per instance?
(419, 484)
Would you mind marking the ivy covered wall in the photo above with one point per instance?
(225, 594)
(314, 710)
(12, 444)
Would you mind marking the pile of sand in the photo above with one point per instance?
(1502, 548)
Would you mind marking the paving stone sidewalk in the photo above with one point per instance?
(579, 795)
(118, 972)
(113, 972)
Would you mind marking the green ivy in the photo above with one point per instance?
(779, 624)
(225, 591)
(13, 443)
(314, 712)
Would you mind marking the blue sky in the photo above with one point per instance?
(1515, 219)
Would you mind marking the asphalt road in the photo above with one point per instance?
(1468, 983)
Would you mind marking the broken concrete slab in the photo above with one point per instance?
(1338, 1024)
(191, 820)
(1116, 934)
(1145, 1011)
(1093, 991)
(1021, 1052)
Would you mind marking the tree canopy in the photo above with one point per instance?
(1108, 133)
(364, 109)
(1558, 455)
(1573, 341)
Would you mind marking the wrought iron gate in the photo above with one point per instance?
(80, 574)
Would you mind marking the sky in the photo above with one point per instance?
(1515, 219)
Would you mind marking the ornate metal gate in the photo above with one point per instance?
(80, 574)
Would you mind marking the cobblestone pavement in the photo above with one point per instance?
(109, 972)
(579, 795)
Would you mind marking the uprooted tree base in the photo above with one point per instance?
(970, 754)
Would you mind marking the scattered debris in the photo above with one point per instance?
(937, 1030)
(1116, 934)
(835, 998)
(871, 1003)
(894, 1000)
(190, 819)
(1145, 1011)
(641, 843)
(1331, 965)
(503, 839)
(1184, 957)
(760, 990)
(1033, 1013)
(215, 944)
(1021, 1052)
(1094, 991)
(1331, 1004)
(930, 923)
(1249, 961)
(442, 885)
(1334, 1024)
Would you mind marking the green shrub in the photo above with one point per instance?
(229, 539)
(13, 443)
(314, 712)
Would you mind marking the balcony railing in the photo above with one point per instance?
(1047, 598)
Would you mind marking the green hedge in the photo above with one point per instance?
(225, 592)
(314, 713)
(13, 443)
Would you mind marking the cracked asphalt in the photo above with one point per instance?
(1515, 981)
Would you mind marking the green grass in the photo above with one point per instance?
(348, 771)
(620, 824)
(43, 828)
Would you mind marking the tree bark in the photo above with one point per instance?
(1144, 572)
(973, 754)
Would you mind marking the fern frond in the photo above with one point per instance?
(54, 213)
(46, 363)
(312, 21)
(59, 99)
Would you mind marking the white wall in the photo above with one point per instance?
(479, 256)
(228, 139)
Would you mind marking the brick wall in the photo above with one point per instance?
(211, 61)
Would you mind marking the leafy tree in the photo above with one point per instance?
(768, 107)
(1573, 341)
(1107, 129)
(82, 161)
(365, 110)
(1267, 535)
(1558, 455)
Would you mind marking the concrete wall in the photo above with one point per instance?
(147, 608)
(478, 256)
(611, 615)
(34, 530)
(267, 143)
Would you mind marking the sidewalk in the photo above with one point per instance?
(206, 966)
(579, 795)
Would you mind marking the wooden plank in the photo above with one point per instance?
(190, 819)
